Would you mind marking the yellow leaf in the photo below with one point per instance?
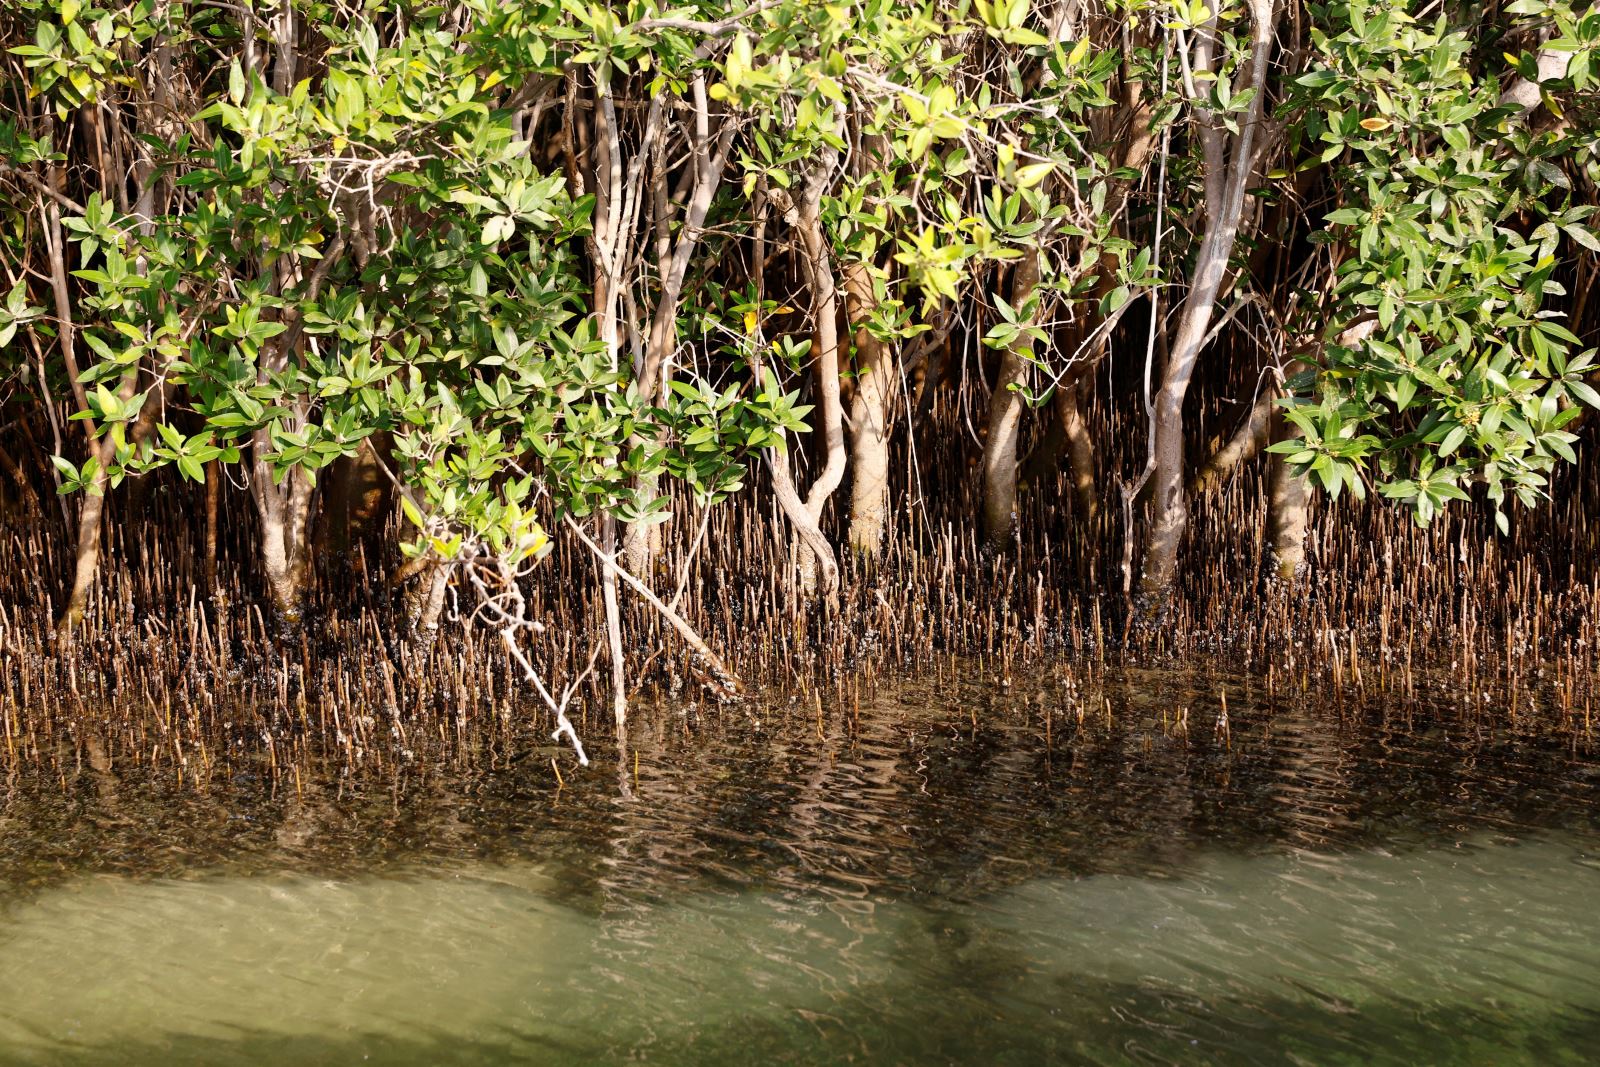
(1374, 124)
(750, 323)
(1033, 174)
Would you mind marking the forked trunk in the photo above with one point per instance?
(1226, 178)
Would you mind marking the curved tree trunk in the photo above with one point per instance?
(91, 517)
(816, 263)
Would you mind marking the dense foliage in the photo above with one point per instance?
(554, 264)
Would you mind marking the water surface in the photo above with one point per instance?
(961, 876)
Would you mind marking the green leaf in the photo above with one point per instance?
(1452, 440)
(1584, 236)
(411, 511)
(1584, 392)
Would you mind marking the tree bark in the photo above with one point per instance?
(818, 266)
(213, 492)
(283, 511)
(1286, 500)
(870, 411)
(641, 541)
(1080, 450)
(1225, 186)
(86, 564)
(30, 498)
(1005, 418)
(816, 263)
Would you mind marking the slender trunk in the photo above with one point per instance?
(870, 411)
(417, 590)
(1080, 451)
(425, 623)
(819, 553)
(284, 511)
(606, 244)
(87, 562)
(282, 545)
(642, 540)
(807, 529)
(723, 680)
(104, 446)
(1287, 491)
(1067, 435)
(1287, 512)
(608, 591)
(213, 493)
(817, 264)
(1225, 187)
(284, 507)
(1005, 419)
(92, 510)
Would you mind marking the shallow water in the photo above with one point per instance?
(950, 880)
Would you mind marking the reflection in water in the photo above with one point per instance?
(918, 889)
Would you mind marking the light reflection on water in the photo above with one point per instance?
(917, 890)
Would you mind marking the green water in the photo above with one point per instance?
(1311, 889)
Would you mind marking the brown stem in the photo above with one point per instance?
(213, 495)
(870, 411)
(1080, 451)
(1225, 187)
(1005, 417)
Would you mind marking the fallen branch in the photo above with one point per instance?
(725, 679)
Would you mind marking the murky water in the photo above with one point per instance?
(952, 880)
